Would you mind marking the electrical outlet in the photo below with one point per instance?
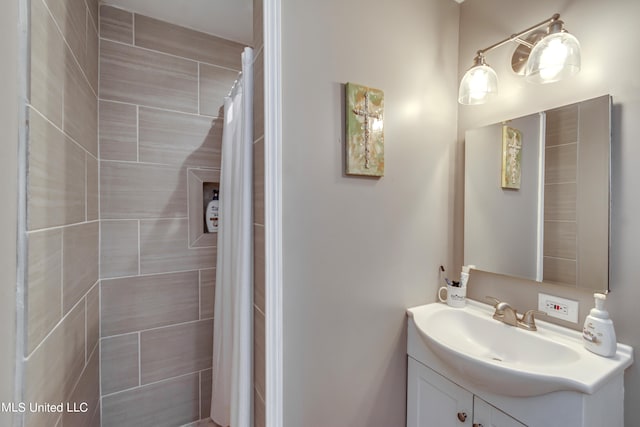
(560, 308)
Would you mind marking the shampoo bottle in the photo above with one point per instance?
(598, 333)
(211, 215)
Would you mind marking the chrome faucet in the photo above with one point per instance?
(507, 314)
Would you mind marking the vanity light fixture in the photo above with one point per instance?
(543, 57)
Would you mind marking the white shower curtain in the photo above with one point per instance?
(233, 322)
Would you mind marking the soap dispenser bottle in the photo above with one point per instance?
(211, 215)
(598, 333)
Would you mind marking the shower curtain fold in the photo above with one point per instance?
(232, 384)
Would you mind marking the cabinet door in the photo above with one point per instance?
(434, 401)
(485, 415)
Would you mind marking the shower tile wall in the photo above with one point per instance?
(62, 294)
(259, 395)
(161, 93)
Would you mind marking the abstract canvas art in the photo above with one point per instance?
(364, 130)
(511, 158)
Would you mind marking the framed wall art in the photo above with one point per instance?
(364, 130)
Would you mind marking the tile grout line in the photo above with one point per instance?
(560, 183)
(257, 53)
(137, 133)
(59, 227)
(99, 173)
(259, 310)
(59, 129)
(61, 284)
(86, 188)
(563, 144)
(134, 276)
(189, 213)
(258, 393)
(152, 383)
(134, 219)
(156, 328)
(172, 165)
(169, 110)
(133, 28)
(139, 359)
(86, 322)
(95, 18)
(57, 324)
(77, 382)
(139, 250)
(184, 58)
(66, 43)
(99, 345)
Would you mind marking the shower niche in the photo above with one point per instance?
(201, 186)
(210, 192)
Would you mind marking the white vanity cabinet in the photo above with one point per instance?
(434, 401)
(479, 385)
(485, 415)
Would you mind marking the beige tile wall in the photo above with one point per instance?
(560, 189)
(118, 133)
(62, 299)
(131, 304)
(191, 349)
(166, 403)
(259, 396)
(161, 93)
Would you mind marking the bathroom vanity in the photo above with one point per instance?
(433, 400)
(467, 369)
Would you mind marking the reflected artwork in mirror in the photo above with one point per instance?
(554, 225)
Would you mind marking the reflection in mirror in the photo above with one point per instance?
(537, 203)
(501, 224)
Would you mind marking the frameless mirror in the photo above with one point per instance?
(537, 196)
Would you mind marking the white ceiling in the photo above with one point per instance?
(229, 19)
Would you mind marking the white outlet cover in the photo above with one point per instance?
(571, 312)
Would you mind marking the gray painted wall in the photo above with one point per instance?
(8, 207)
(359, 251)
(607, 31)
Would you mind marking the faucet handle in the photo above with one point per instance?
(528, 320)
(494, 299)
(499, 306)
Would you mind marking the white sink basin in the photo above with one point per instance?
(510, 361)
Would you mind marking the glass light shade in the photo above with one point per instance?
(479, 84)
(554, 58)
